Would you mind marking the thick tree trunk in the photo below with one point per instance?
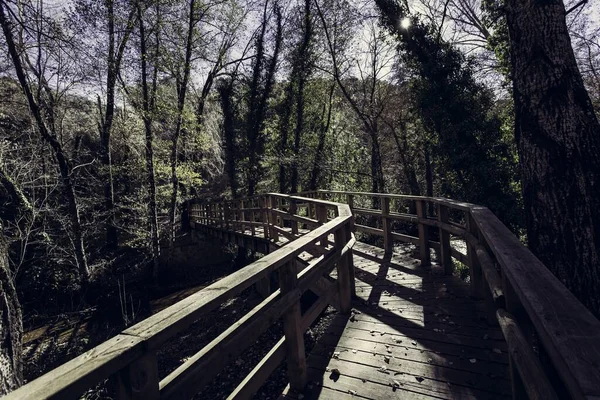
(558, 137)
(147, 102)
(225, 96)
(11, 327)
(303, 74)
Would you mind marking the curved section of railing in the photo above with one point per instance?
(553, 340)
(129, 359)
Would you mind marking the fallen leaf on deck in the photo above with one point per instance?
(472, 360)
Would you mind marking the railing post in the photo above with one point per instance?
(343, 272)
(423, 234)
(252, 217)
(292, 327)
(243, 215)
(350, 201)
(475, 273)
(226, 214)
(265, 216)
(445, 254)
(349, 229)
(514, 307)
(321, 211)
(292, 211)
(388, 240)
(272, 218)
(139, 380)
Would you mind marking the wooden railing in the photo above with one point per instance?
(129, 360)
(553, 340)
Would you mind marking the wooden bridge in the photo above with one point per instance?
(405, 327)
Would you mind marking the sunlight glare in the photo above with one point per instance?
(405, 23)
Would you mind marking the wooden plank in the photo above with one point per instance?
(459, 205)
(423, 235)
(492, 277)
(259, 375)
(394, 359)
(159, 327)
(428, 383)
(368, 229)
(343, 272)
(445, 254)
(388, 240)
(439, 337)
(139, 380)
(203, 366)
(532, 374)
(422, 346)
(569, 333)
(72, 378)
(294, 334)
(403, 350)
(405, 238)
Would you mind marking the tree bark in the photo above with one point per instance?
(558, 137)
(147, 100)
(226, 98)
(303, 74)
(115, 55)
(325, 124)
(260, 92)
(11, 327)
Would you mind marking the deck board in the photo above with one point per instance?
(433, 339)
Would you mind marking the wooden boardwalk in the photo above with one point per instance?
(412, 335)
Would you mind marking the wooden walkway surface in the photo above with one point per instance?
(412, 335)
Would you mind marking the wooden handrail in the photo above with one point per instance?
(528, 297)
(129, 359)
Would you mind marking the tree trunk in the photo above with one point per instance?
(260, 92)
(11, 327)
(558, 136)
(303, 74)
(325, 124)
(50, 137)
(181, 94)
(147, 101)
(114, 57)
(284, 126)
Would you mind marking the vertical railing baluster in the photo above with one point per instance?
(344, 276)
(476, 280)
(445, 254)
(139, 380)
(388, 240)
(423, 234)
(292, 327)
